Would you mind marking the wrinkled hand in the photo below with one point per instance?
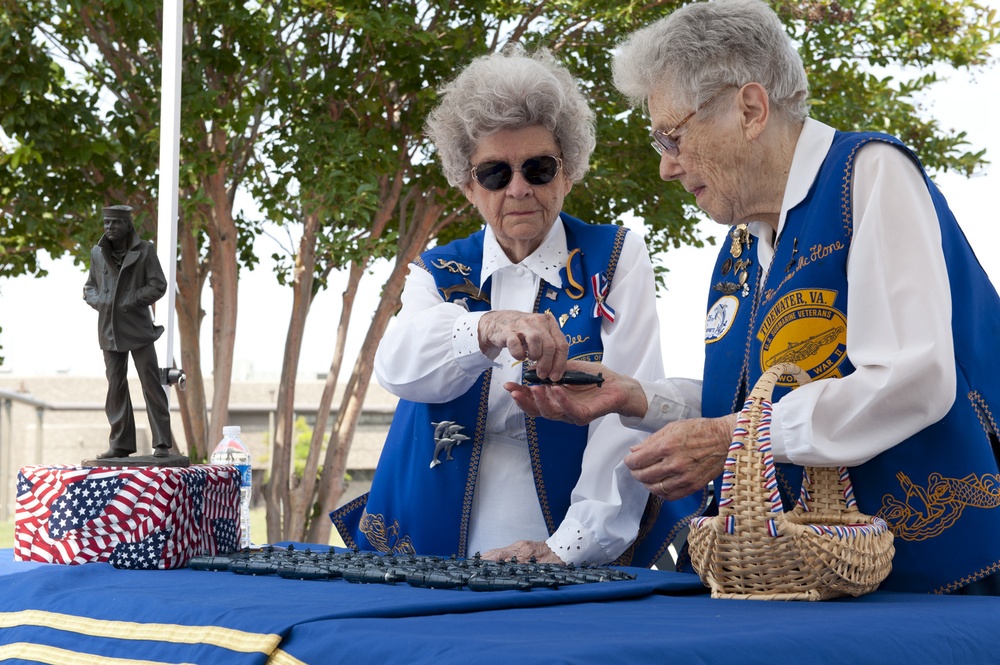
(524, 550)
(682, 457)
(582, 404)
(536, 337)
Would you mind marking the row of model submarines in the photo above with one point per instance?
(420, 571)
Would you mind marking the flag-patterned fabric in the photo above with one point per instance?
(135, 518)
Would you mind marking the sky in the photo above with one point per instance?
(47, 329)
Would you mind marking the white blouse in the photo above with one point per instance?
(430, 353)
(899, 335)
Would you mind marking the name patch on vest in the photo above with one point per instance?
(804, 327)
(720, 318)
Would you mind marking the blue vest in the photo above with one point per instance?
(938, 490)
(414, 507)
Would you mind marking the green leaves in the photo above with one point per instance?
(871, 62)
(318, 106)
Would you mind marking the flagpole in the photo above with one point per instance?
(170, 118)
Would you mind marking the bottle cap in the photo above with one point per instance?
(231, 430)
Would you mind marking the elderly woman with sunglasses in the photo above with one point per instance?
(463, 471)
(844, 259)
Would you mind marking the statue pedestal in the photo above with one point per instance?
(139, 460)
(137, 516)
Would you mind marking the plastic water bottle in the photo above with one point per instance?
(232, 451)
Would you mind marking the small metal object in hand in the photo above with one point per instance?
(569, 378)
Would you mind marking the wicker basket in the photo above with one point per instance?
(824, 548)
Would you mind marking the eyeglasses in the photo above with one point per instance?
(666, 142)
(495, 176)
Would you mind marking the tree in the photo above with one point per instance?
(316, 112)
(870, 61)
(366, 97)
(352, 105)
(80, 109)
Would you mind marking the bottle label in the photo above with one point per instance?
(246, 474)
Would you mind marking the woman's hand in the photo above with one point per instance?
(682, 457)
(524, 550)
(581, 404)
(535, 337)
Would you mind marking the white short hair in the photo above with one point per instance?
(703, 47)
(511, 90)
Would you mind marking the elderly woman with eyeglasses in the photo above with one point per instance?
(463, 470)
(844, 259)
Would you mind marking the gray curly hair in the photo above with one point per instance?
(704, 47)
(511, 90)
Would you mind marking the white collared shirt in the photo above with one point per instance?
(430, 353)
(899, 335)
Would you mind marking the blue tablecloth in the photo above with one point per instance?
(64, 614)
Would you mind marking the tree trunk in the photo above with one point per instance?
(224, 280)
(285, 510)
(426, 215)
(308, 487)
(193, 406)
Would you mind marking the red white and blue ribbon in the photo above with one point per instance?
(877, 526)
(769, 473)
(730, 524)
(805, 498)
(601, 287)
(845, 482)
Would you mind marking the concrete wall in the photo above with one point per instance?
(70, 435)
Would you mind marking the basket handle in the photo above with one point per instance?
(764, 387)
(827, 488)
(748, 480)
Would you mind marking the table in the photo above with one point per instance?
(94, 613)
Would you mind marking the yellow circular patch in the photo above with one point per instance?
(803, 327)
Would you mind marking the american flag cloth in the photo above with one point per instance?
(136, 517)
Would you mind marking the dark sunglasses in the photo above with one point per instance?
(495, 176)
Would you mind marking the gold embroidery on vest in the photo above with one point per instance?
(968, 579)
(578, 290)
(338, 518)
(928, 510)
(616, 252)
(476, 456)
(382, 538)
(983, 411)
(531, 429)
